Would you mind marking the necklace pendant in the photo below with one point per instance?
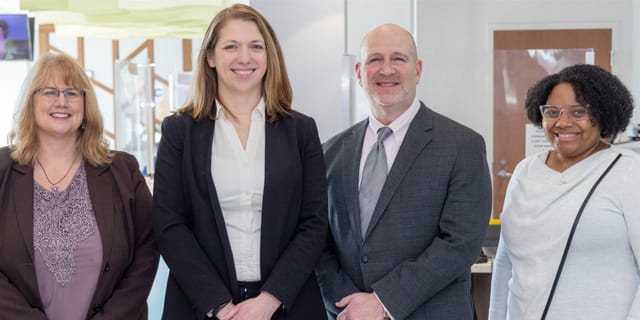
(54, 188)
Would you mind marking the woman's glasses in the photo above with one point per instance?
(71, 94)
(574, 112)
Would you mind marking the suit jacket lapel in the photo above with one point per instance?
(23, 199)
(101, 193)
(201, 146)
(417, 137)
(351, 155)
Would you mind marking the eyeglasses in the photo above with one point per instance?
(71, 94)
(574, 112)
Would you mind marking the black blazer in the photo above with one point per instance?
(191, 232)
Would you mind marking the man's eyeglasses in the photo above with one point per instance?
(71, 94)
(574, 112)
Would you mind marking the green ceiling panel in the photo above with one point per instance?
(116, 19)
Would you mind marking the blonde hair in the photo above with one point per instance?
(276, 88)
(23, 140)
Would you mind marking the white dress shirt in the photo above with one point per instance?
(399, 126)
(238, 175)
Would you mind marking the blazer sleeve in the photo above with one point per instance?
(630, 202)
(13, 303)
(186, 259)
(296, 263)
(133, 287)
(463, 221)
(500, 283)
(334, 282)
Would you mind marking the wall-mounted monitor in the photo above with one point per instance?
(15, 37)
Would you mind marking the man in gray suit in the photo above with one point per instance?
(408, 207)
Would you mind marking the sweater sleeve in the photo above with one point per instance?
(630, 203)
(500, 283)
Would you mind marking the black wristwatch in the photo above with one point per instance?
(212, 314)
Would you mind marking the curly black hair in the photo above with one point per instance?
(611, 103)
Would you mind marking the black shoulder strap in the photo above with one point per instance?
(573, 229)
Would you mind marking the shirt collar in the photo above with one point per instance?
(400, 122)
(259, 110)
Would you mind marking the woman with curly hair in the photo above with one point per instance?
(570, 242)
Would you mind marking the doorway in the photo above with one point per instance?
(522, 57)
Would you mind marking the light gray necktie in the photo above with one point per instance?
(374, 174)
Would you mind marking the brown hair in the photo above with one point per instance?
(24, 139)
(276, 88)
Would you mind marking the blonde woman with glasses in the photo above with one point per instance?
(75, 217)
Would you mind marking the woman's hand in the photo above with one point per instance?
(227, 312)
(261, 307)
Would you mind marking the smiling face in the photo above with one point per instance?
(573, 140)
(57, 117)
(389, 70)
(240, 59)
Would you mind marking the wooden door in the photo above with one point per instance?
(515, 71)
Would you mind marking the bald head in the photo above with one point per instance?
(388, 31)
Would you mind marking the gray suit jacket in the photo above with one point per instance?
(427, 227)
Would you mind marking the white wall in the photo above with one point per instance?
(363, 16)
(456, 41)
(311, 35)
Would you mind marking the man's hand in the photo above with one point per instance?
(261, 307)
(360, 306)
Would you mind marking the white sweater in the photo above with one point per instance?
(601, 277)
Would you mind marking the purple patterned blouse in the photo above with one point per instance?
(68, 248)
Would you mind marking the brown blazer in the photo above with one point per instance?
(122, 205)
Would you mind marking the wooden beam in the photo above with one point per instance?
(187, 52)
(115, 50)
(137, 51)
(150, 51)
(43, 37)
(102, 86)
(115, 55)
(54, 49)
(81, 51)
(161, 79)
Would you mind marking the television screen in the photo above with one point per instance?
(15, 43)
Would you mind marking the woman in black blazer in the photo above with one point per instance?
(240, 190)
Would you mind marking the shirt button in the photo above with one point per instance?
(107, 267)
(364, 259)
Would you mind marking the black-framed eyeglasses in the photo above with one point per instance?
(575, 112)
(72, 94)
